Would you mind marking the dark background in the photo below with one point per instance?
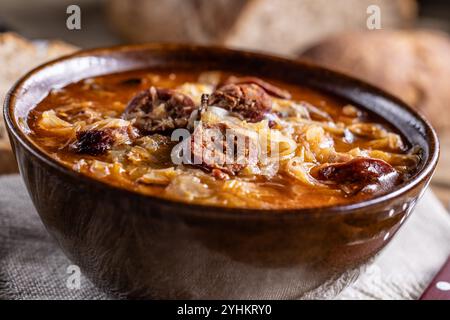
(435, 13)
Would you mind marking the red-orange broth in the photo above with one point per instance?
(117, 129)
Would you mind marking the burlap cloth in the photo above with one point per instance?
(33, 267)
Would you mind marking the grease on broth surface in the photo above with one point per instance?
(117, 129)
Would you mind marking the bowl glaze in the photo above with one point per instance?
(139, 246)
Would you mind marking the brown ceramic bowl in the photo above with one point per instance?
(144, 247)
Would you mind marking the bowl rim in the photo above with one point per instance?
(20, 136)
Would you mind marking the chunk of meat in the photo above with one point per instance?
(215, 149)
(93, 142)
(359, 174)
(269, 88)
(159, 110)
(249, 101)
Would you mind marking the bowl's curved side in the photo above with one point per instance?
(146, 247)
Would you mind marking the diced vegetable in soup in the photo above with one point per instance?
(222, 139)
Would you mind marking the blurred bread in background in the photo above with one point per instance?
(17, 56)
(413, 65)
(282, 26)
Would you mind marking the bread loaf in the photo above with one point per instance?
(282, 26)
(413, 65)
(17, 56)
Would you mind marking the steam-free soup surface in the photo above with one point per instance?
(191, 136)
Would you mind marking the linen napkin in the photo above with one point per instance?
(33, 267)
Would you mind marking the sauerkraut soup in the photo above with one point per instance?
(223, 139)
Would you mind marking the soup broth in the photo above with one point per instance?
(222, 139)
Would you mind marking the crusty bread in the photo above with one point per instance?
(441, 179)
(17, 56)
(413, 65)
(289, 25)
(7, 162)
(282, 26)
(200, 21)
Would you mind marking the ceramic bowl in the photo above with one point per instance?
(139, 246)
